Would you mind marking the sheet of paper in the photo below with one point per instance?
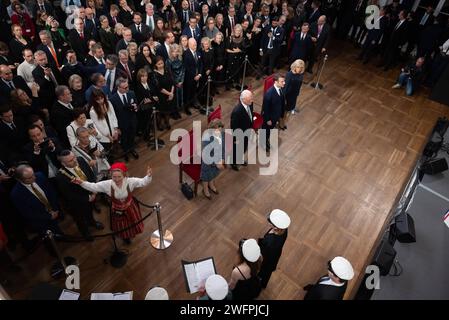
(123, 296)
(192, 277)
(101, 296)
(204, 270)
(69, 295)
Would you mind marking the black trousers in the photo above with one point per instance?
(83, 216)
(268, 129)
(241, 158)
(128, 136)
(269, 59)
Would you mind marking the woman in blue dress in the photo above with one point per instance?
(212, 162)
(293, 82)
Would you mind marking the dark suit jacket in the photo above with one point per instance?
(227, 24)
(398, 37)
(273, 106)
(144, 20)
(313, 16)
(125, 116)
(429, 20)
(323, 39)
(31, 209)
(278, 37)
(60, 118)
(51, 60)
(79, 45)
(13, 140)
(192, 67)
(240, 118)
(301, 48)
(121, 44)
(325, 292)
(47, 87)
(47, 6)
(141, 36)
(131, 68)
(92, 28)
(184, 22)
(75, 197)
(186, 31)
(202, 23)
(119, 73)
(375, 34)
(111, 21)
(162, 51)
(18, 82)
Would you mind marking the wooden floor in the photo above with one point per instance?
(342, 163)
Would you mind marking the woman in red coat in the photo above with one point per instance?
(23, 19)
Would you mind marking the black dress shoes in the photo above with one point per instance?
(235, 167)
(135, 154)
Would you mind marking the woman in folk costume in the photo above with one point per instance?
(125, 210)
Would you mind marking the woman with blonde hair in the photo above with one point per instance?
(212, 163)
(132, 51)
(293, 82)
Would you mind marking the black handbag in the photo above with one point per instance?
(187, 191)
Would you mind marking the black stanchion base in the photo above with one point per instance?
(118, 259)
(152, 144)
(57, 270)
(316, 86)
(203, 110)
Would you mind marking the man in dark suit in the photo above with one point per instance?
(122, 44)
(184, 14)
(47, 77)
(426, 18)
(193, 73)
(164, 49)
(124, 103)
(315, 14)
(213, 7)
(125, 13)
(320, 32)
(53, 52)
(36, 201)
(113, 15)
(42, 6)
(248, 13)
(230, 20)
(113, 73)
(10, 82)
(140, 31)
(194, 6)
(273, 107)
(204, 15)
(302, 44)
(358, 19)
(429, 39)
(192, 30)
(92, 24)
(41, 152)
(373, 37)
(333, 286)
(78, 38)
(97, 57)
(61, 114)
(149, 18)
(397, 39)
(270, 45)
(77, 201)
(126, 66)
(242, 118)
(12, 133)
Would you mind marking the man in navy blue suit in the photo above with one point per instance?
(192, 30)
(164, 49)
(270, 47)
(193, 73)
(125, 107)
(273, 106)
(36, 201)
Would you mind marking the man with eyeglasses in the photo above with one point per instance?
(125, 107)
(9, 82)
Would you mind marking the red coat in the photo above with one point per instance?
(3, 238)
(28, 28)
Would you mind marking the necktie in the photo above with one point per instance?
(186, 18)
(232, 23)
(53, 53)
(193, 33)
(196, 57)
(70, 106)
(108, 80)
(115, 20)
(53, 79)
(42, 8)
(125, 101)
(12, 126)
(81, 36)
(127, 71)
(11, 85)
(424, 19)
(192, 7)
(138, 28)
(41, 197)
(71, 3)
(248, 110)
(270, 41)
(397, 26)
(80, 173)
(320, 28)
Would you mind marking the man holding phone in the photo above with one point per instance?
(42, 152)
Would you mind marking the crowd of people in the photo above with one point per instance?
(81, 80)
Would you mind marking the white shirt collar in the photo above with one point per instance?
(65, 104)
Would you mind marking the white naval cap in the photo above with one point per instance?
(157, 293)
(216, 287)
(342, 268)
(279, 219)
(251, 250)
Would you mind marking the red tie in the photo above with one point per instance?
(127, 71)
(81, 36)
